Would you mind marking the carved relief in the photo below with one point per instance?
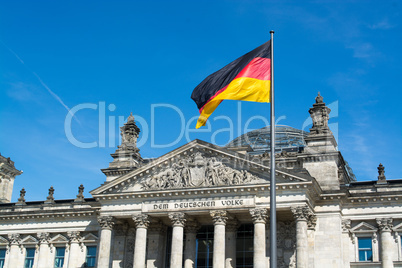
(259, 215)
(219, 216)
(198, 171)
(106, 222)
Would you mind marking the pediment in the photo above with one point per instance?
(59, 239)
(195, 165)
(398, 228)
(90, 238)
(3, 241)
(29, 240)
(363, 227)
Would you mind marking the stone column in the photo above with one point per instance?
(259, 216)
(302, 215)
(106, 223)
(15, 242)
(385, 227)
(230, 243)
(74, 249)
(191, 229)
(44, 250)
(141, 224)
(219, 218)
(178, 220)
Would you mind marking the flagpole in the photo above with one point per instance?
(273, 249)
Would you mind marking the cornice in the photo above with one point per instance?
(43, 214)
(206, 191)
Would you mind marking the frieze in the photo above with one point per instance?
(199, 205)
(198, 171)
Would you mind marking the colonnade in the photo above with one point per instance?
(224, 247)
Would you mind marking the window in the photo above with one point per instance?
(204, 247)
(29, 257)
(244, 246)
(365, 249)
(59, 257)
(91, 257)
(2, 257)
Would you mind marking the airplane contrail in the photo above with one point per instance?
(54, 95)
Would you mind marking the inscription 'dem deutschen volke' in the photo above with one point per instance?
(200, 204)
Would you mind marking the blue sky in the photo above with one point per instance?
(110, 58)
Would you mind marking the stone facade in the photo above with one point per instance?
(204, 205)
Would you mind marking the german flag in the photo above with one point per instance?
(248, 79)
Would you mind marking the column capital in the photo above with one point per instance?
(141, 221)
(43, 237)
(15, 239)
(304, 213)
(158, 227)
(346, 225)
(106, 222)
(74, 236)
(232, 225)
(177, 218)
(219, 217)
(259, 215)
(192, 226)
(384, 224)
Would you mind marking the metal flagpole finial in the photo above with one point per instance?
(272, 31)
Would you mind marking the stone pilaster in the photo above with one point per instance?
(259, 216)
(230, 244)
(106, 223)
(219, 218)
(141, 222)
(346, 238)
(44, 250)
(304, 217)
(178, 220)
(385, 228)
(191, 229)
(75, 239)
(15, 243)
(156, 244)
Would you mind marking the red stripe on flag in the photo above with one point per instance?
(258, 68)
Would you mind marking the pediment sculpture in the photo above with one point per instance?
(198, 171)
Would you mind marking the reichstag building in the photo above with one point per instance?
(204, 206)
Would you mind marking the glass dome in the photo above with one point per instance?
(286, 138)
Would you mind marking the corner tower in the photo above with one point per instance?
(127, 156)
(7, 176)
(321, 157)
